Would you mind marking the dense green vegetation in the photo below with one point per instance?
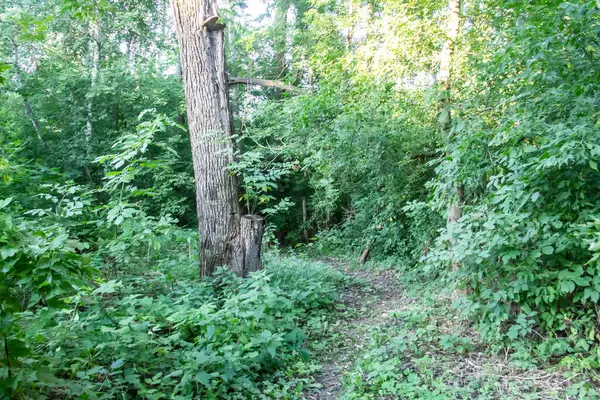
(100, 294)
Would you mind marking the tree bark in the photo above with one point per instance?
(34, 121)
(280, 40)
(350, 29)
(445, 116)
(251, 230)
(28, 109)
(448, 48)
(132, 46)
(364, 256)
(202, 57)
(454, 214)
(304, 220)
(95, 62)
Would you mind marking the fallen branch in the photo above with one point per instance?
(263, 82)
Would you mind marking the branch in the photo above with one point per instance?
(426, 155)
(263, 82)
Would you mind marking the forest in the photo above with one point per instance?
(299, 199)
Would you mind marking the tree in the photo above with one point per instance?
(202, 53)
(445, 116)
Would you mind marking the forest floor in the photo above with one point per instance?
(391, 343)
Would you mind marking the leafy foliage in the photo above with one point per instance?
(156, 336)
(527, 154)
(99, 293)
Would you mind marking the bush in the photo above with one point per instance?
(141, 337)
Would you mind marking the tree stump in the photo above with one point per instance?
(251, 233)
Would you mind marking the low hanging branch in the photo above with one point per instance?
(264, 82)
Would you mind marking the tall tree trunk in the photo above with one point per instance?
(304, 220)
(350, 29)
(131, 52)
(280, 41)
(94, 66)
(202, 55)
(445, 116)
(34, 121)
(28, 109)
(448, 48)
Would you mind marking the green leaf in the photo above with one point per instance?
(265, 336)
(45, 375)
(547, 250)
(5, 202)
(210, 331)
(271, 348)
(567, 286)
(6, 252)
(202, 378)
(513, 332)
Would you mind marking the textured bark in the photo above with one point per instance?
(251, 232)
(116, 116)
(95, 64)
(280, 40)
(202, 57)
(304, 220)
(445, 118)
(454, 214)
(131, 53)
(448, 49)
(34, 121)
(364, 256)
(350, 29)
(28, 109)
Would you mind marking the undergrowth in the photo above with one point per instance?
(428, 348)
(152, 337)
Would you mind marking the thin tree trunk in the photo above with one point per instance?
(95, 62)
(163, 26)
(34, 121)
(448, 48)
(350, 28)
(454, 214)
(202, 56)
(445, 118)
(304, 220)
(28, 109)
(131, 48)
(116, 116)
(280, 42)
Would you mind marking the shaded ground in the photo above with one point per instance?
(372, 302)
(443, 352)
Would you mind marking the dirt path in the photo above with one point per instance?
(372, 303)
(381, 304)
